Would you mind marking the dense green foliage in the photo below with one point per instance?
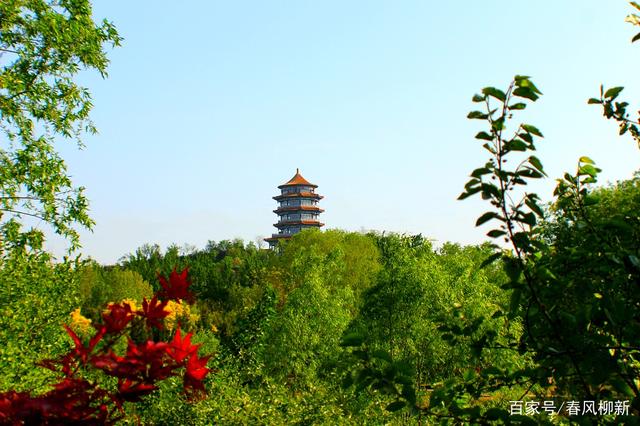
(280, 317)
(36, 298)
(99, 286)
(43, 45)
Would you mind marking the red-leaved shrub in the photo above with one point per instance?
(78, 400)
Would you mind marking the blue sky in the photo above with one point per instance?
(210, 105)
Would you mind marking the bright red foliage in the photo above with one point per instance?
(180, 349)
(131, 391)
(177, 288)
(154, 312)
(75, 400)
(118, 317)
(71, 402)
(196, 367)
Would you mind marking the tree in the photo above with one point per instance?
(575, 278)
(325, 274)
(43, 45)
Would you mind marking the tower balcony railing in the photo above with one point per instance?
(285, 221)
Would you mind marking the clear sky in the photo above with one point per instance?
(210, 105)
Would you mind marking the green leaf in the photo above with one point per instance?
(490, 190)
(495, 233)
(589, 170)
(485, 136)
(519, 78)
(529, 219)
(517, 106)
(525, 92)
(594, 101)
(489, 148)
(534, 207)
(477, 173)
(496, 93)
(525, 82)
(530, 173)
(513, 269)
(635, 38)
(526, 137)
(478, 98)
(515, 145)
(487, 217)
(613, 92)
(498, 124)
(624, 127)
(477, 115)
(472, 183)
(586, 160)
(521, 239)
(532, 129)
(535, 162)
(469, 193)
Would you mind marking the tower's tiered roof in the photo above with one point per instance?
(297, 208)
(297, 179)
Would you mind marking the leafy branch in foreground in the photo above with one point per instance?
(634, 19)
(564, 289)
(43, 45)
(495, 181)
(612, 109)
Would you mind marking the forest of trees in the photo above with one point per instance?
(331, 327)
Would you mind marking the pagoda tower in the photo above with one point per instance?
(297, 208)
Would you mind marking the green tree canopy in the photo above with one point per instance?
(43, 45)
